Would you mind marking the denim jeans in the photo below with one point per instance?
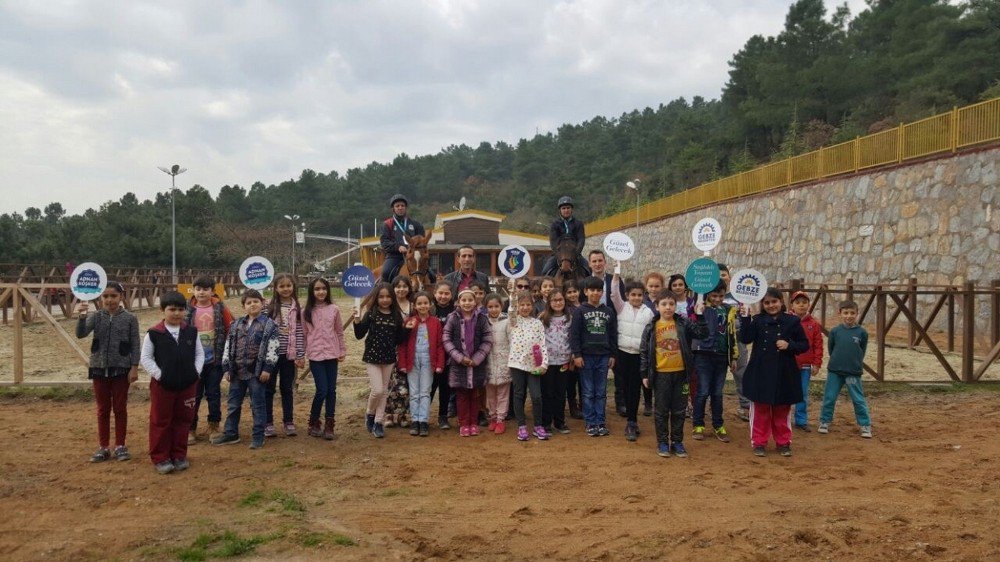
(836, 381)
(237, 392)
(325, 374)
(390, 266)
(594, 383)
(420, 379)
(209, 388)
(802, 408)
(283, 376)
(711, 369)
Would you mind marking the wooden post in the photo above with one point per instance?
(18, 337)
(911, 303)
(951, 319)
(880, 333)
(968, 329)
(994, 312)
(850, 289)
(822, 303)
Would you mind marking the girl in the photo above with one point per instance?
(443, 306)
(685, 299)
(556, 320)
(528, 358)
(284, 311)
(325, 349)
(544, 290)
(422, 356)
(113, 366)
(633, 318)
(397, 407)
(379, 319)
(467, 341)
(498, 386)
(572, 292)
(771, 380)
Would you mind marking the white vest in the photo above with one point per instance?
(631, 323)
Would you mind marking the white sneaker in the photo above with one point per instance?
(823, 428)
(866, 431)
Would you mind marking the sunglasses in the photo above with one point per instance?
(522, 286)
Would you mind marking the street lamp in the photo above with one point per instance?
(293, 218)
(634, 185)
(173, 172)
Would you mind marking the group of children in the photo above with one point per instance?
(486, 353)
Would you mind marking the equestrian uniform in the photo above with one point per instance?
(566, 228)
(395, 230)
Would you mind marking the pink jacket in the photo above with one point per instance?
(325, 334)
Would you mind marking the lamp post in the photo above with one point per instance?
(634, 185)
(173, 172)
(293, 218)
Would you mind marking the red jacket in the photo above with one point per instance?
(408, 350)
(814, 333)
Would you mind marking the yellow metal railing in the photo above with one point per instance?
(958, 129)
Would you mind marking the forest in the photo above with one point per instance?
(828, 76)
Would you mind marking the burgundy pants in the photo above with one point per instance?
(170, 415)
(467, 402)
(111, 393)
(766, 420)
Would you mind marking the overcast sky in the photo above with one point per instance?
(95, 95)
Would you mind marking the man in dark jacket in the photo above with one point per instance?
(396, 230)
(566, 226)
(466, 274)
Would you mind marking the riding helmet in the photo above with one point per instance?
(399, 197)
(565, 200)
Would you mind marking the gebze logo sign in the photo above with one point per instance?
(749, 286)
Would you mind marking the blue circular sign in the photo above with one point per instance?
(702, 275)
(358, 281)
(514, 261)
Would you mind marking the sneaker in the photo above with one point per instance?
(122, 454)
(290, 430)
(100, 455)
(647, 410)
(785, 450)
(165, 467)
(225, 439)
(256, 443)
(549, 430)
(369, 422)
(443, 423)
(473, 430)
(866, 431)
(500, 428)
(192, 438)
(742, 414)
(603, 431)
(699, 433)
(759, 451)
(679, 450)
(415, 429)
(181, 465)
(823, 428)
(464, 431)
(592, 430)
(378, 430)
(522, 433)
(630, 432)
(722, 435)
(663, 450)
(213, 429)
(540, 433)
(425, 429)
(270, 431)
(492, 427)
(803, 427)
(562, 428)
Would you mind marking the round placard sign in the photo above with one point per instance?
(358, 281)
(748, 286)
(88, 281)
(706, 234)
(702, 275)
(514, 261)
(256, 272)
(618, 246)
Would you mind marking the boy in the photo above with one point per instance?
(207, 313)
(666, 362)
(173, 356)
(810, 361)
(713, 356)
(593, 339)
(248, 360)
(847, 345)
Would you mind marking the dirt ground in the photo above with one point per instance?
(925, 487)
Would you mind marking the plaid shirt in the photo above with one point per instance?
(251, 348)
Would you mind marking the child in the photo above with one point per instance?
(284, 311)
(325, 349)
(714, 356)
(572, 292)
(467, 341)
(209, 315)
(556, 321)
(535, 286)
(633, 317)
(397, 403)
(249, 360)
(593, 340)
(847, 346)
(685, 300)
(498, 386)
(544, 290)
(113, 365)
(443, 306)
(173, 356)
(382, 322)
(654, 282)
(810, 361)
(527, 361)
(743, 409)
(479, 289)
(771, 381)
(666, 361)
(422, 356)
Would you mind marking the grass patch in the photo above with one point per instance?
(222, 545)
(59, 393)
(288, 502)
(252, 499)
(277, 500)
(313, 540)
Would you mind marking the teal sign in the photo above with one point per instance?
(702, 275)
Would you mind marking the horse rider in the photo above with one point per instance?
(566, 226)
(396, 230)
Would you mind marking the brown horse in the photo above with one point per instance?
(416, 262)
(566, 258)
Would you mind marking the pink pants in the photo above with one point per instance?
(497, 400)
(378, 378)
(766, 420)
